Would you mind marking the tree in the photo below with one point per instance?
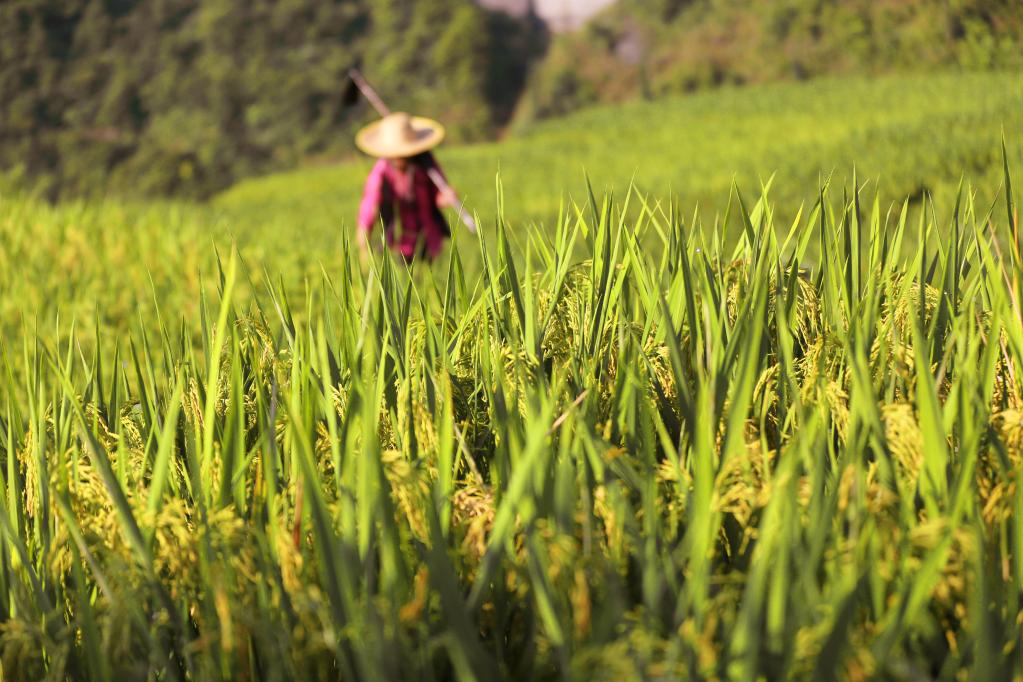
(185, 96)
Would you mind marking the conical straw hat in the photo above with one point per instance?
(398, 135)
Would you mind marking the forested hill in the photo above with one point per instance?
(185, 96)
(648, 48)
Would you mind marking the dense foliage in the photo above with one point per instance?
(654, 47)
(633, 438)
(700, 460)
(184, 96)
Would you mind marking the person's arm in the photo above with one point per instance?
(444, 197)
(369, 208)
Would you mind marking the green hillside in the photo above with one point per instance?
(916, 134)
(653, 48)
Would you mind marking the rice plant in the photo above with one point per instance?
(711, 458)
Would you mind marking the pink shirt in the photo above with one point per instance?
(415, 197)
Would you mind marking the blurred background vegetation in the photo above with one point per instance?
(185, 96)
(182, 97)
(105, 263)
(652, 48)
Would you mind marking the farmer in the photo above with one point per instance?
(400, 186)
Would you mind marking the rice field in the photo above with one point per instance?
(680, 455)
(910, 135)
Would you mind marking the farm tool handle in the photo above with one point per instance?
(370, 94)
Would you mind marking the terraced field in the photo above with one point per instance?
(633, 441)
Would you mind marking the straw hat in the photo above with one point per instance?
(398, 134)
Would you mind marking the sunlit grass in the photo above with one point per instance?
(915, 134)
(706, 458)
(611, 436)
